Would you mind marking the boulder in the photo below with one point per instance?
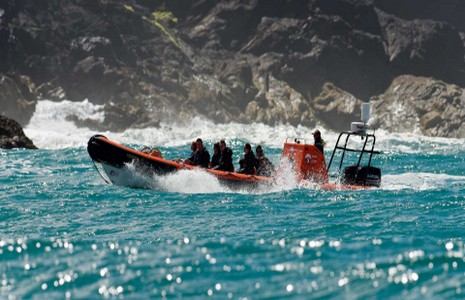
(360, 14)
(12, 135)
(336, 108)
(279, 103)
(425, 105)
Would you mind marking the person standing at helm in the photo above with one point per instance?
(319, 142)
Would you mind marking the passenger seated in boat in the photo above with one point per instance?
(248, 162)
(263, 165)
(201, 156)
(225, 163)
(216, 156)
(190, 159)
(319, 142)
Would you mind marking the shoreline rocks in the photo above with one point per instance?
(12, 135)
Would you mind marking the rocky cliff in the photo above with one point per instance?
(271, 61)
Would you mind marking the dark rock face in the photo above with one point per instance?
(17, 97)
(418, 47)
(430, 106)
(449, 11)
(244, 61)
(12, 135)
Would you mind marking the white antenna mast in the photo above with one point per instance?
(359, 127)
(366, 112)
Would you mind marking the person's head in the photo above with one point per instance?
(259, 150)
(247, 148)
(199, 144)
(316, 134)
(193, 146)
(216, 147)
(222, 145)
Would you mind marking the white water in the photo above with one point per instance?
(49, 129)
(198, 181)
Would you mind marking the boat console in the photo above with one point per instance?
(309, 164)
(306, 160)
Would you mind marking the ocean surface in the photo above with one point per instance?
(66, 234)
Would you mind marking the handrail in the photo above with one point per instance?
(362, 151)
(355, 150)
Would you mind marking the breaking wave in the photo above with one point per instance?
(50, 129)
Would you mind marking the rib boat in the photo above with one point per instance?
(116, 163)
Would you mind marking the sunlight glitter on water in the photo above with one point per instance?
(171, 270)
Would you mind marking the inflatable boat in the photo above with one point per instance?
(118, 164)
(122, 165)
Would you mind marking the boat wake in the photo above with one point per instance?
(421, 181)
(197, 181)
(188, 182)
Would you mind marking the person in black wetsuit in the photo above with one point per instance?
(216, 156)
(319, 142)
(225, 162)
(248, 162)
(190, 159)
(201, 156)
(264, 165)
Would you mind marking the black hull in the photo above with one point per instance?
(101, 151)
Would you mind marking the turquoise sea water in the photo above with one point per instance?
(65, 233)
